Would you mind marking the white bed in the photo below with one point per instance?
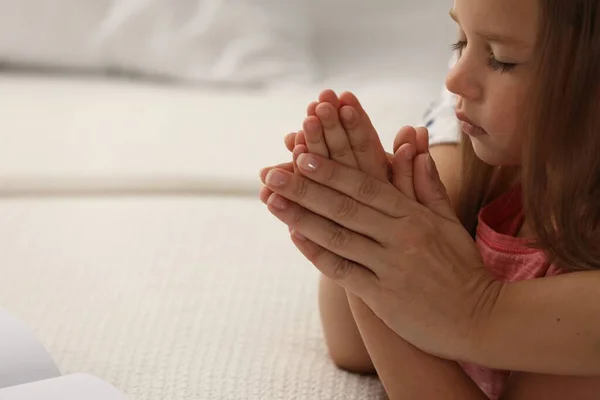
(131, 237)
(170, 298)
(63, 134)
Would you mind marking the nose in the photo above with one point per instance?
(462, 80)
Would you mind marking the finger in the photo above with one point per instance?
(402, 167)
(264, 194)
(381, 196)
(335, 135)
(300, 139)
(311, 109)
(297, 151)
(290, 140)
(326, 180)
(329, 96)
(324, 232)
(319, 199)
(422, 140)
(288, 166)
(430, 189)
(353, 277)
(370, 163)
(407, 134)
(313, 134)
(365, 144)
(349, 99)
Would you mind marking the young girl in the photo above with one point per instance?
(528, 98)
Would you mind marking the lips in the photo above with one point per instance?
(468, 127)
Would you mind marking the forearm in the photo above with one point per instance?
(407, 372)
(344, 343)
(549, 325)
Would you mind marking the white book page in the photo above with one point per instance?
(23, 359)
(68, 387)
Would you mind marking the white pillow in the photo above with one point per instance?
(385, 40)
(222, 41)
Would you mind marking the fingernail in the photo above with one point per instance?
(262, 174)
(277, 202)
(298, 235)
(324, 111)
(276, 179)
(307, 162)
(431, 168)
(347, 115)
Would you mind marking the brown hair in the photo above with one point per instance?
(560, 172)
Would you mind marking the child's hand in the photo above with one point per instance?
(339, 128)
(348, 136)
(361, 138)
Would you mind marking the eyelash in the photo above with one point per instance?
(492, 62)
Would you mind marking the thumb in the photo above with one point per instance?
(429, 189)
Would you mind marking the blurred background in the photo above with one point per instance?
(141, 93)
(131, 135)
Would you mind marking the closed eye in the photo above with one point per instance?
(459, 46)
(493, 63)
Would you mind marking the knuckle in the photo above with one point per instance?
(341, 268)
(332, 173)
(362, 147)
(312, 138)
(317, 256)
(368, 189)
(338, 237)
(300, 189)
(345, 208)
(342, 152)
(329, 124)
(406, 171)
(298, 217)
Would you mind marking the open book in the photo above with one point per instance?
(27, 371)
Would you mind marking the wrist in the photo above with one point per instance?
(477, 342)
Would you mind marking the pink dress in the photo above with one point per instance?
(509, 259)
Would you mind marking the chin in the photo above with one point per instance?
(493, 156)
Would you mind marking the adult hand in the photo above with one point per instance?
(416, 267)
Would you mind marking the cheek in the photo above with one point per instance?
(506, 110)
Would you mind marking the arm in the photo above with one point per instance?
(344, 342)
(445, 379)
(555, 358)
(405, 371)
(555, 336)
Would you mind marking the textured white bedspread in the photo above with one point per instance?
(170, 298)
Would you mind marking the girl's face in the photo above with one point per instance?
(496, 43)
